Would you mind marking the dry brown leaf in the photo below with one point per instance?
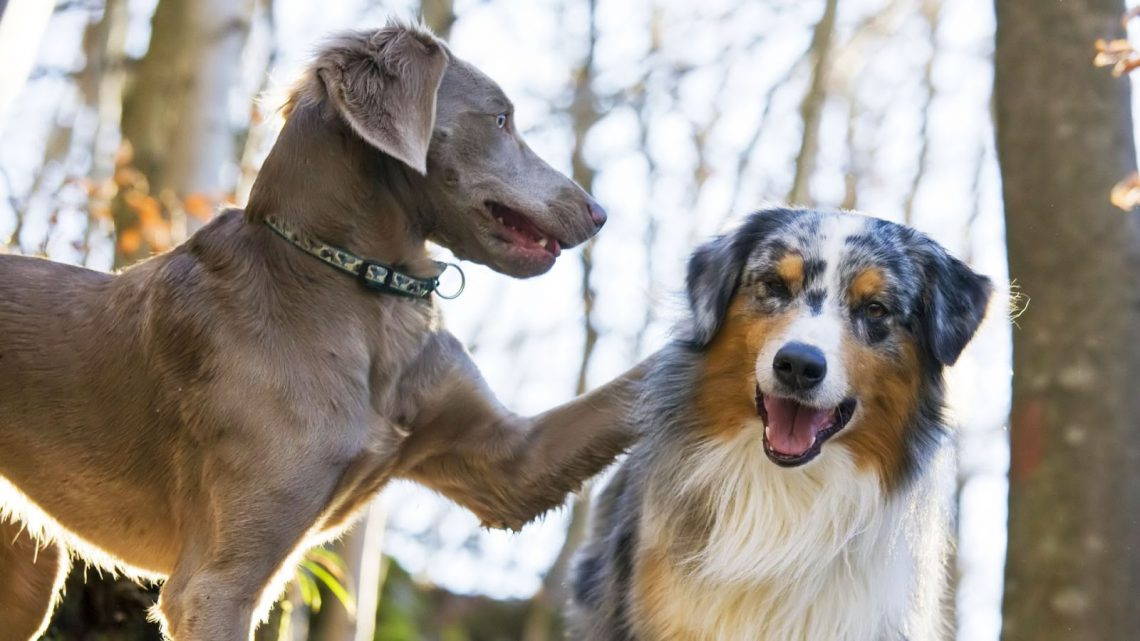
(1126, 193)
(147, 208)
(1110, 52)
(127, 176)
(199, 206)
(100, 212)
(1118, 54)
(1118, 46)
(129, 241)
(1126, 66)
(160, 238)
(125, 154)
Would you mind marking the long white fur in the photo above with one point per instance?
(795, 554)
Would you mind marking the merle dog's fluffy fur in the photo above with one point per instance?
(665, 524)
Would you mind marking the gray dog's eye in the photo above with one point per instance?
(501, 121)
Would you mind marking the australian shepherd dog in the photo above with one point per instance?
(784, 488)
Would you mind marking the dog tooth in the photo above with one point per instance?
(542, 242)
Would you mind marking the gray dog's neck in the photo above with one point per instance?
(323, 180)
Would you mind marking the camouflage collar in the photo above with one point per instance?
(372, 274)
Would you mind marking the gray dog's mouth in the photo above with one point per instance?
(516, 229)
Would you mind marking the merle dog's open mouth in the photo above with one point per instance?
(516, 229)
(794, 433)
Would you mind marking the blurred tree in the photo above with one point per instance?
(1064, 133)
(439, 15)
(811, 107)
(544, 621)
(101, 84)
(174, 122)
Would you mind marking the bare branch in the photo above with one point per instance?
(811, 108)
(102, 83)
(748, 152)
(854, 156)
(930, 13)
(14, 204)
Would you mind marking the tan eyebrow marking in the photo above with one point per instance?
(867, 283)
(790, 268)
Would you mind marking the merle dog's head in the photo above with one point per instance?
(837, 325)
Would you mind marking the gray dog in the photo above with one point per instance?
(209, 414)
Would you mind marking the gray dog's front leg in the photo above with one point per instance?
(505, 468)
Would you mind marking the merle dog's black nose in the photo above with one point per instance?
(800, 366)
(597, 214)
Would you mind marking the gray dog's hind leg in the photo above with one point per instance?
(29, 580)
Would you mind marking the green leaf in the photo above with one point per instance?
(335, 586)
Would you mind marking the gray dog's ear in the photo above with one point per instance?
(385, 85)
(953, 305)
(713, 276)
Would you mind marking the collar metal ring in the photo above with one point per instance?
(462, 282)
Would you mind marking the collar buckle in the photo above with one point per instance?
(371, 283)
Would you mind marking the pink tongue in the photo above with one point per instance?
(792, 427)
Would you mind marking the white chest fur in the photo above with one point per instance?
(806, 554)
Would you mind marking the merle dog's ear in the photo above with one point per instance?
(713, 276)
(384, 85)
(954, 303)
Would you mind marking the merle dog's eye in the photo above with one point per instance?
(776, 287)
(875, 310)
(501, 121)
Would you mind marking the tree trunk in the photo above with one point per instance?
(439, 15)
(1064, 137)
(176, 119)
(811, 107)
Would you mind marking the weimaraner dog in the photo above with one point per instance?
(204, 417)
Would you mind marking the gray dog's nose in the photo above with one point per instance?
(597, 214)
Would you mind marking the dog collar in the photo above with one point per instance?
(372, 274)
